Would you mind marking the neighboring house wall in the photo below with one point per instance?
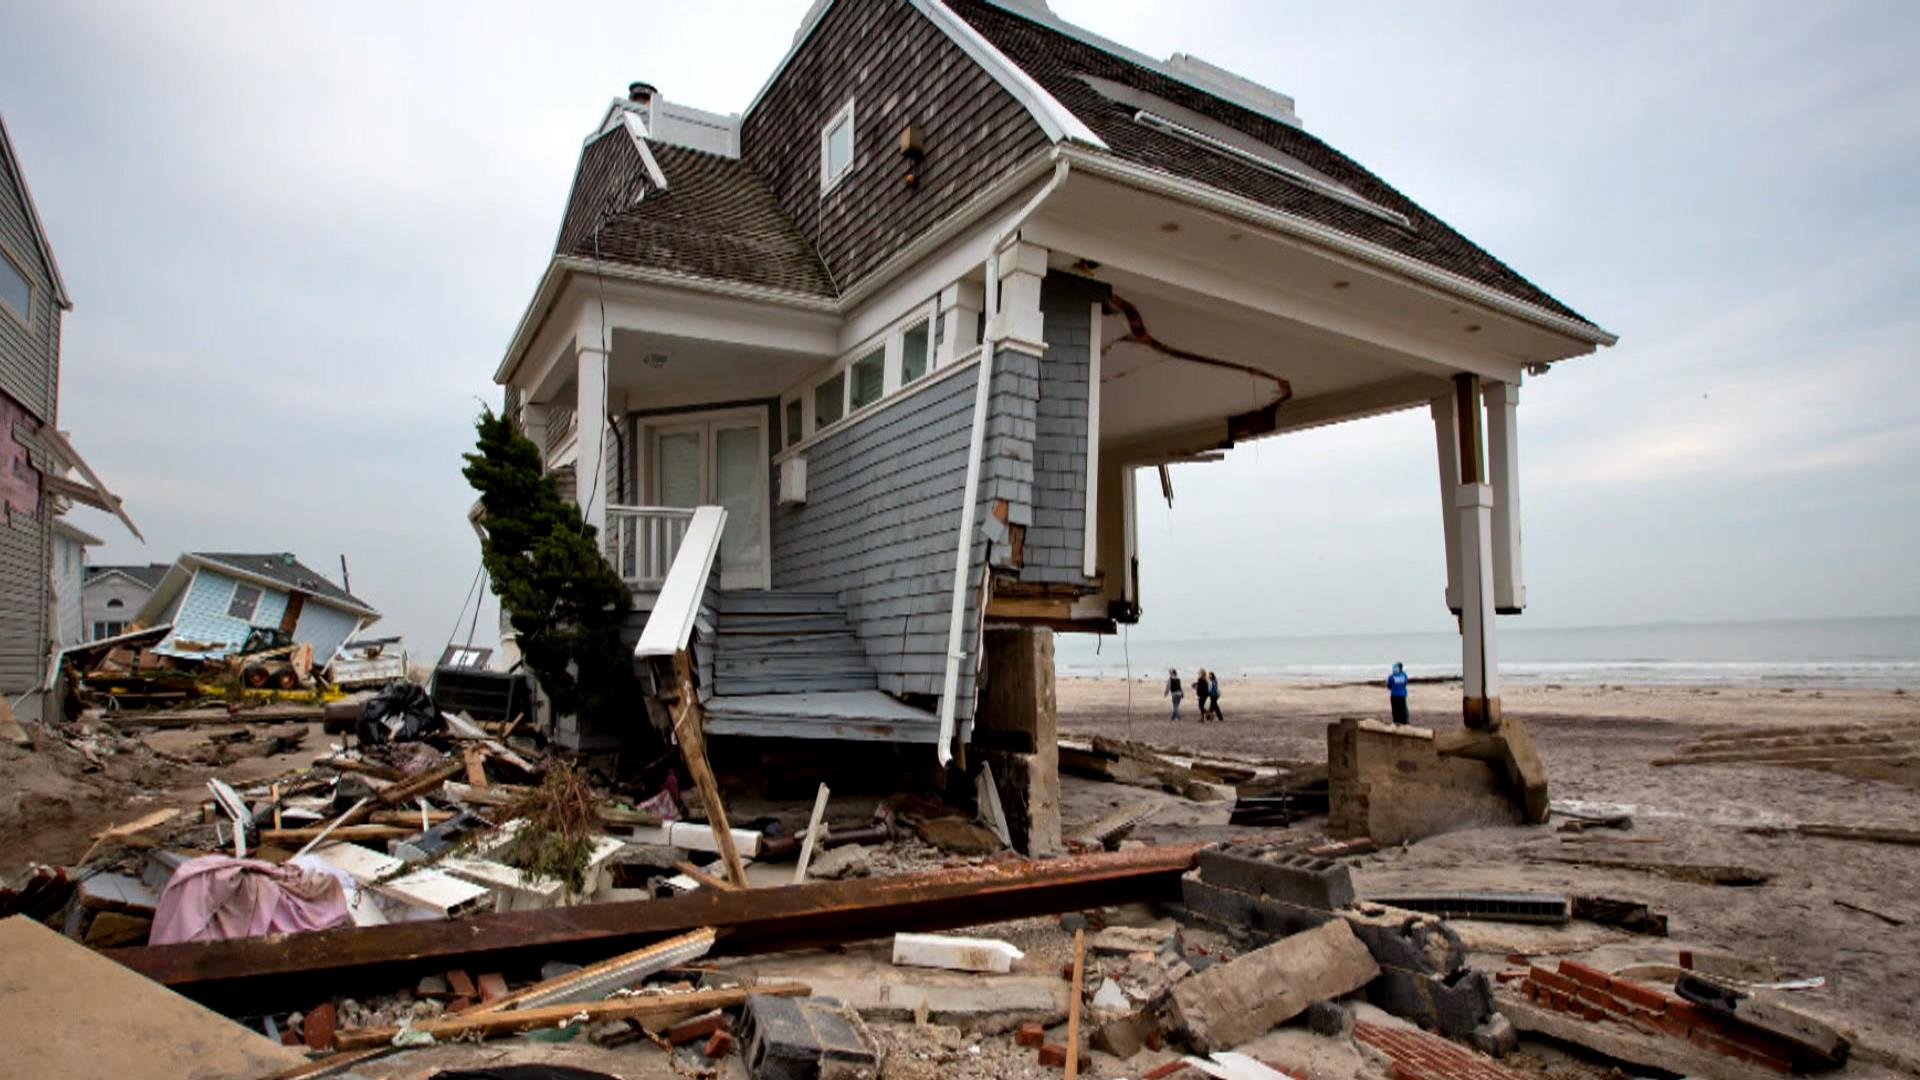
(325, 628)
(102, 590)
(899, 70)
(69, 582)
(29, 389)
(202, 615)
(878, 528)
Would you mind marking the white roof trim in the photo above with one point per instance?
(1056, 119)
(202, 562)
(33, 219)
(103, 573)
(639, 132)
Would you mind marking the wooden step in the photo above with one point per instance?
(740, 625)
(794, 684)
(776, 602)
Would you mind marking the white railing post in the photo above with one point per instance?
(670, 623)
(644, 540)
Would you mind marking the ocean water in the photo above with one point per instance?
(1864, 652)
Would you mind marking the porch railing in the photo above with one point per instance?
(642, 541)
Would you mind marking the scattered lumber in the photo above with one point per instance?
(689, 733)
(705, 879)
(1073, 1003)
(1869, 834)
(1696, 873)
(364, 768)
(344, 832)
(295, 969)
(515, 1021)
(1122, 761)
(1890, 920)
(1889, 751)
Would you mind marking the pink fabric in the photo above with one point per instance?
(218, 897)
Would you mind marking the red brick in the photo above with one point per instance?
(1158, 1072)
(1593, 1013)
(1504, 977)
(318, 1027)
(1644, 996)
(459, 1004)
(1553, 980)
(1053, 1055)
(461, 984)
(1594, 996)
(1592, 976)
(697, 1028)
(1530, 990)
(492, 985)
(719, 1045)
(1673, 1025)
(1558, 1001)
(1029, 1035)
(290, 1037)
(1153, 1039)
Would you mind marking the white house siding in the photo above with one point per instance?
(883, 496)
(69, 572)
(27, 375)
(326, 628)
(25, 553)
(100, 590)
(27, 354)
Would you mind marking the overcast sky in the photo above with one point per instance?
(298, 237)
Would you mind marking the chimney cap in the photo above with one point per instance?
(640, 91)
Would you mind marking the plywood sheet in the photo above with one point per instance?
(65, 1010)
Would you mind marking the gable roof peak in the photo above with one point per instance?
(12, 163)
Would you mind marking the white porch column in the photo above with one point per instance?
(590, 418)
(960, 305)
(533, 424)
(1017, 319)
(1446, 437)
(1473, 503)
(1503, 468)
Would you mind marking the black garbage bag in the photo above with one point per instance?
(401, 713)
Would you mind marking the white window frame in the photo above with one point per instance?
(828, 178)
(253, 609)
(24, 318)
(893, 339)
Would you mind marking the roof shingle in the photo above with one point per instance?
(282, 567)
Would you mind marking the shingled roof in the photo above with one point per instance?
(283, 569)
(716, 218)
(1060, 63)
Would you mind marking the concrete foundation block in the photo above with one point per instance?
(1394, 785)
(1409, 940)
(1453, 1005)
(1230, 1003)
(1280, 872)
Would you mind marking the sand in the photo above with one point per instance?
(1598, 744)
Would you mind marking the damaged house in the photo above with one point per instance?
(215, 601)
(42, 556)
(856, 384)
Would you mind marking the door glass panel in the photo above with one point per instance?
(869, 378)
(737, 487)
(829, 401)
(677, 457)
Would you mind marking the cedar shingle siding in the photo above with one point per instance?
(1055, 547)
(1057, 62)
(899, 70)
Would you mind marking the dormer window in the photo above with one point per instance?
(836, 148)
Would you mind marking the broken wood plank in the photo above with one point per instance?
(364, 768)
(687, 731)
(813, 836)
(1890, 920)
(1870, 834)
(263, 973)
(344, 832)
(514, 1021)
(599, 980)
(1073, 1003)
(704, 878)
(1697, 873)
(419, 785)
(476, 761)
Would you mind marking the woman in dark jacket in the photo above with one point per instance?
(1174, 691)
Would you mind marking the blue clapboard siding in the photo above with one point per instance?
(877, 530)
(325, 628)
(202, 615)
(1055, 547)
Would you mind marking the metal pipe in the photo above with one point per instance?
(956, 625)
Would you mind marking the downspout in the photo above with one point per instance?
(963, 546)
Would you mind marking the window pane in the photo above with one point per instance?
(914, 352)
(869, 378)
(794, 434)
(839, 148)
(677, 458)
(245, 599)
(829, 401)
(737, 486)
(13, 288)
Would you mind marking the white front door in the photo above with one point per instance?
(720, 462)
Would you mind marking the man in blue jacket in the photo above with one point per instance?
(1397, 692)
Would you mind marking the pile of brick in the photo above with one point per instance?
(1594, 995)
(1417, 1055)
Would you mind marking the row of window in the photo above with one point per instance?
(902, 356)
(107, 630)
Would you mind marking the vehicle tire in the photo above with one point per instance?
(286, 680)
(254, 677)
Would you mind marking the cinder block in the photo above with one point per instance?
(799, 1038)
(1280, 872)
(1229, 1003)
(1396, 938)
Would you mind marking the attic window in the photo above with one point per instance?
(15, 294)
(1305, 180)
(836, 148)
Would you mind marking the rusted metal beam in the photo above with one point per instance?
(252, 975)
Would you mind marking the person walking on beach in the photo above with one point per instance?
(1213, 693)
(1200, 693)
(1174, 691)
(1397, 692)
